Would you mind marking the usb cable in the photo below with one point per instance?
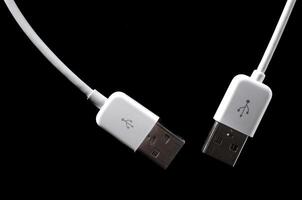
(120, 115)
(243, 104)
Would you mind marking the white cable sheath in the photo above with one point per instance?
(276, 36)
(36, 40)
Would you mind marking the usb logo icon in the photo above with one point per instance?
(128, 123)
(244, 109)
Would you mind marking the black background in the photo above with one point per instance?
(175, 58)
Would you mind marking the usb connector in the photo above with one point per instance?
(244, 104)
(161, 145)
(237, 118)
(224, 143)
(138, 128)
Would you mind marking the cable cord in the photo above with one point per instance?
(276, 36)
(43, 48)
(97, 98)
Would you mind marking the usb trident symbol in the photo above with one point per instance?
(244, 109)
(128, 123)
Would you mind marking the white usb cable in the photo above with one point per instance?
(123, 117)
(243, 104)
(236, 119)
(268, 54)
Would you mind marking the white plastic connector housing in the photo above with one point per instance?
(126, 119)
(244, 104)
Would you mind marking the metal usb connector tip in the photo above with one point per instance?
(224, 143)
(161, 145)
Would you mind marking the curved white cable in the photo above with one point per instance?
(276, 36)
(36, 40)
